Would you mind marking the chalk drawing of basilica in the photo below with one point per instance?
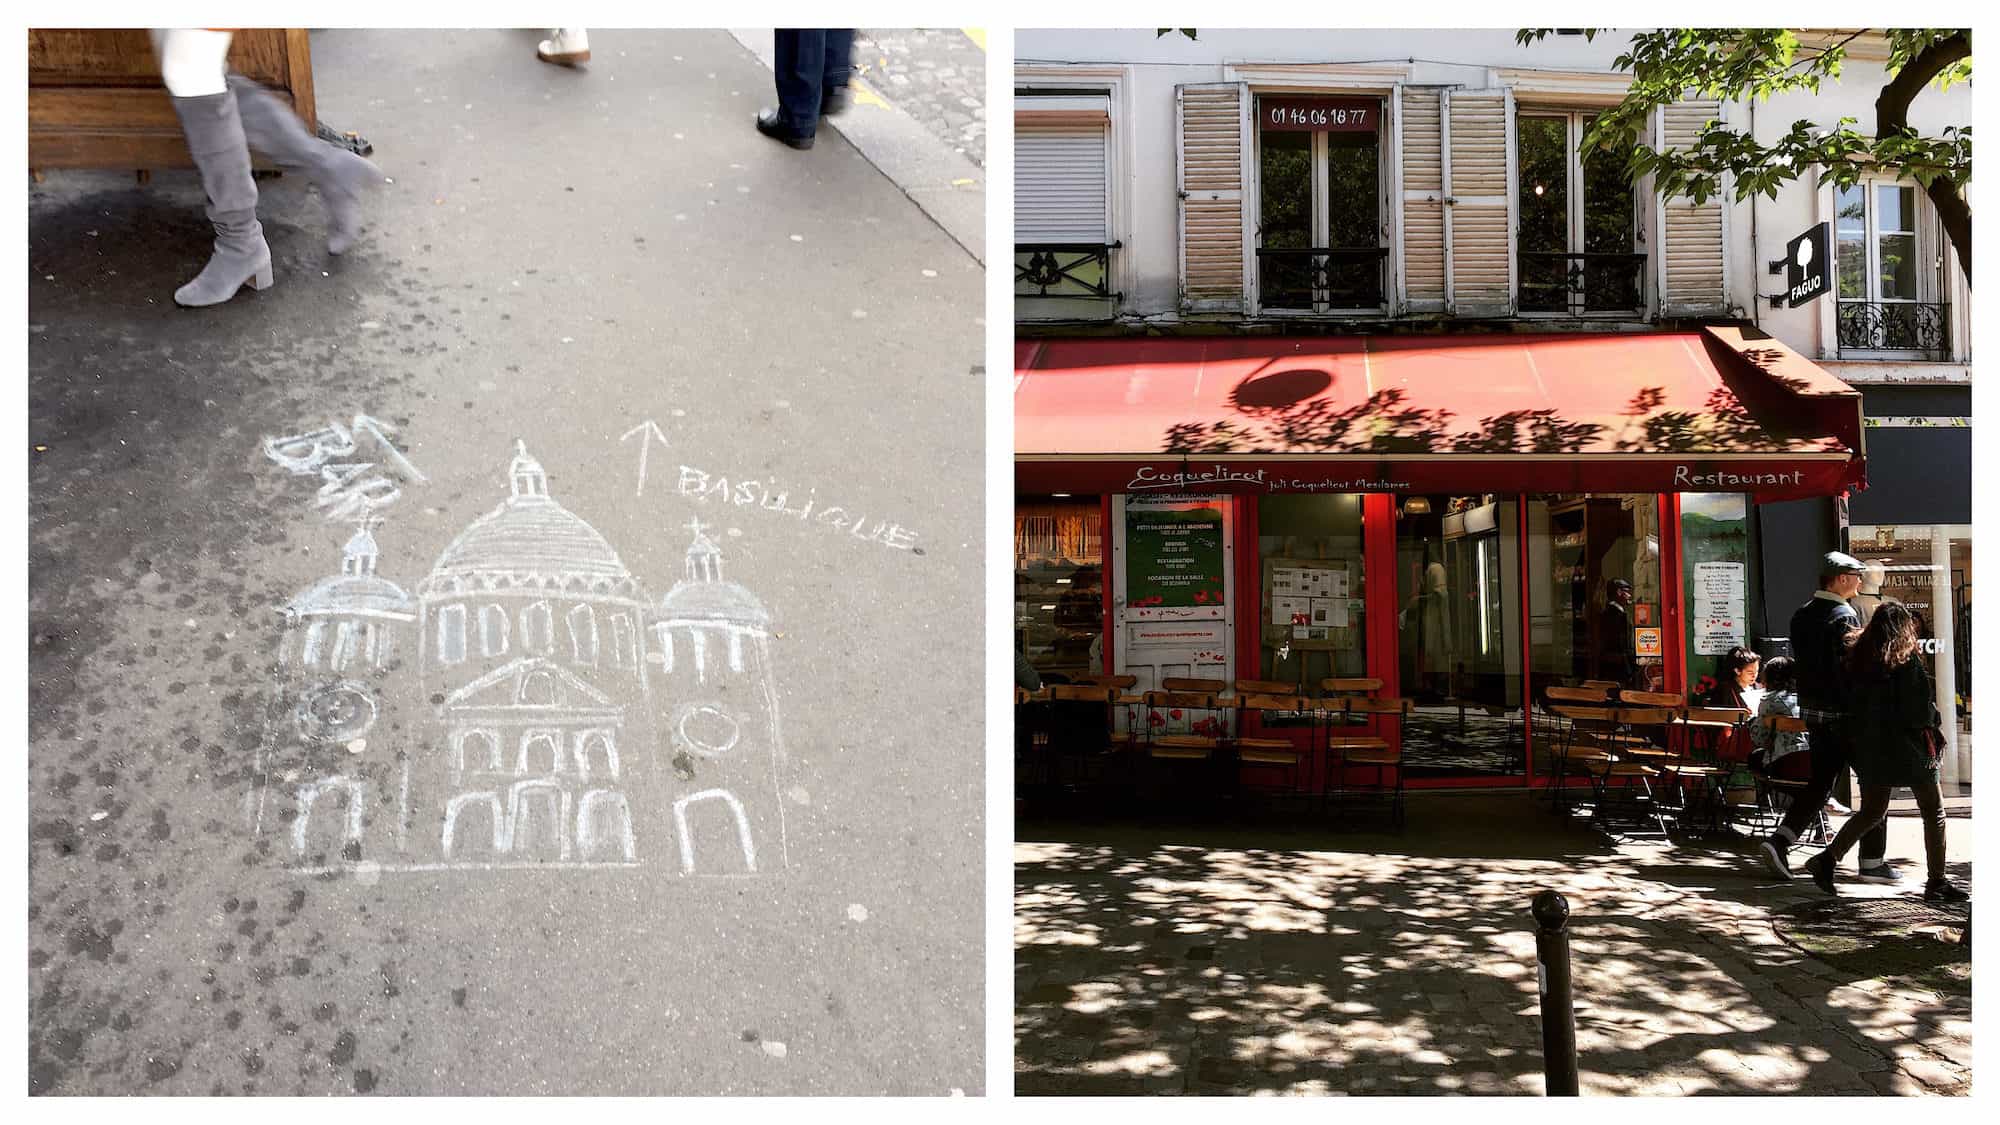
(569, 718)
(343, 636)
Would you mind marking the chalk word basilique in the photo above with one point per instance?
(350, 489)
(765, 496)
(553, 714)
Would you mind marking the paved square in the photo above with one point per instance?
(1251, 961)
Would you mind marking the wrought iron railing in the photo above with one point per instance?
(1321, 280)
(1895, 326)
(1582, 283)
(1063, 269)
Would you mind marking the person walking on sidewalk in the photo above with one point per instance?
(1820, 629)
(1897, 738)
(224, 116)
(812, 68)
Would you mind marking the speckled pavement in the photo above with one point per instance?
(562, 258)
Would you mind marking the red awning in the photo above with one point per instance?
(1714, 410)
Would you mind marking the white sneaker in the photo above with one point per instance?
(1836, 808)
(566, 46)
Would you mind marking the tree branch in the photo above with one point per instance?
(1892, 117)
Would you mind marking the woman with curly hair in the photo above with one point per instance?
(1896, 742)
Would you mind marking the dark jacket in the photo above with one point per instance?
(1887, 718)
(1819, 638)
(1614, 645)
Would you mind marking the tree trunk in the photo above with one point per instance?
(1892, 116)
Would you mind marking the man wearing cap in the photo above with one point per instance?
(1819, 641)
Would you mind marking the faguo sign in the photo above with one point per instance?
(1808, 268)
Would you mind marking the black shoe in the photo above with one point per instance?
(1773, 850)
(1822, 873)
(834, 101)
(1943, 890)
(771, 123)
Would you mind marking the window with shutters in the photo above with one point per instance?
(1320, 228)
(1062, 196)
(1888, 264)
(1578, 221)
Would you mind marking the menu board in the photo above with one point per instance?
(1718, 607)
(1173, 557)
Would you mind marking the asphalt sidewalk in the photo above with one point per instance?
(602, 287)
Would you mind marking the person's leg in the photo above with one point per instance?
(836, 69)
(339, 174)
(797, 57)
(191, 66)
(798, 72)
(1823, 750)
(1930, 806)
(1874, 807)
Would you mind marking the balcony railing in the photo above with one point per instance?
(1894, 326)
(1582, 283)
(1321, 280)
(1063, 269)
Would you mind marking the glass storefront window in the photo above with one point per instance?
(1458, 597)
(1594, 607)
(1927, 567)
(1059, 584)
(1313, 620)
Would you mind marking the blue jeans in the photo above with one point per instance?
(808, 63)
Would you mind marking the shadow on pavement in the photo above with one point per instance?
(1159, 960)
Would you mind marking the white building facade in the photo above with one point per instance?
(1393, 182)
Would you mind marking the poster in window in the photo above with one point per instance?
(1173, 557)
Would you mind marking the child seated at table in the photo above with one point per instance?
(1779, 754)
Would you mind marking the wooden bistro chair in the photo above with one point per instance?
(1331, 713)
(1080, 739)
(1698, 773)
(1164, 751)
(1122, 695)
(1776, 794)
(1584, 722)
(1273, 753)
(1639, 751)
(1373, 750)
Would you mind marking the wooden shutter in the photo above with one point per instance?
(1420, 148)
(1210, 124)
(1692, 276)
(1061, 183)
(1478, 174)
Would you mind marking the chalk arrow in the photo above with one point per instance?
(364, 424)
(646, 432)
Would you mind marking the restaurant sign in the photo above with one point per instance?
(1764, 478)
(1319, 115)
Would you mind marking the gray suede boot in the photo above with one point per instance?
(339, 174)
(215, 140)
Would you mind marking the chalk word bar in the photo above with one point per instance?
(350, 489)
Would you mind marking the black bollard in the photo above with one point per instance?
(1558, 1007)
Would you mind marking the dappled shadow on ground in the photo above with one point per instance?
(1155, 960)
